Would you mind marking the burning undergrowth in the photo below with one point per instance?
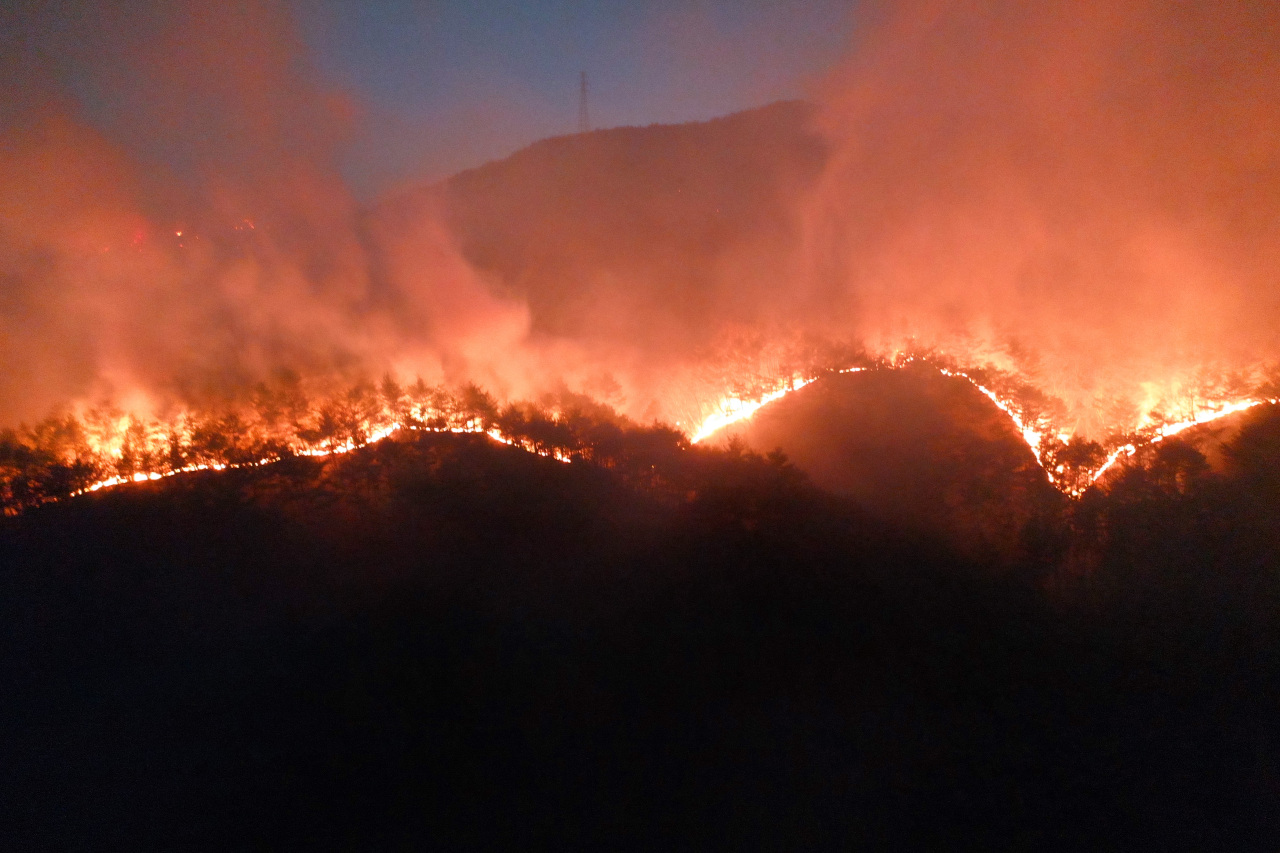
(73, 453)
(1068, 208)
(1070, 457)
(92, 448)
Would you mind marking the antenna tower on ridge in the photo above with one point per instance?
(584, 118)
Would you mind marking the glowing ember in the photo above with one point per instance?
(734, 409)
(1210, 413)
(1037, 434)
(1029, 434)
(1127, 450)
(121, 450)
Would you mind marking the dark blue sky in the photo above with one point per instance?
(450, 84)
(430, 87)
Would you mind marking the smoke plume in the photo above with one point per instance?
(1083, 193)
(197, 235)
(1087, 192)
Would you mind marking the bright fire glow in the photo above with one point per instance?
(733, 409)
(1035, 434)
(1029, 434)
(1046, 441)
(327, 449)
(1203, 416)
(1209, 413)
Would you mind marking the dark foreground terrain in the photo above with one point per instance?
(442, 643)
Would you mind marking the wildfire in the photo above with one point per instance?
(733, 409)
(104, 450)
(70, 454)
(1029, 434)
(1126, 450)
(1207, 414)
(1038, 433)
(347, 446)
(1203, 416)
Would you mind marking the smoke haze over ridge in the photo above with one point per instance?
(1087, 193)
(238, 249)
(1093, 188)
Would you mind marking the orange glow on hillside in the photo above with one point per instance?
(374, 437)
(1039, 434)
(120, 449)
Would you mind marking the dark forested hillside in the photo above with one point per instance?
(917, 449)
(438, 641)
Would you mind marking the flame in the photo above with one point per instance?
(1207, 414)
(732, 409)
(1126, 450)
(110, 444)
(1029, 434)
(1203, 416)
(323, 451)
(1038, 434)
(113, 438)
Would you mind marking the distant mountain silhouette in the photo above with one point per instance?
(641, 232)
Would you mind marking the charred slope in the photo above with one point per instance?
(917, 448)
(442, 642)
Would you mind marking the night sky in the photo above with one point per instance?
(450, 84)
(435, 87)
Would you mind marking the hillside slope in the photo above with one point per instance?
(643, 234)
(442, 641)
(920, 449)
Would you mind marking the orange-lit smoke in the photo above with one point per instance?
(1081, 194)
(1084, 192)
(218, 243)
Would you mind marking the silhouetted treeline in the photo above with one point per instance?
(67, 453)
(1170, 525)
(440, 641)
